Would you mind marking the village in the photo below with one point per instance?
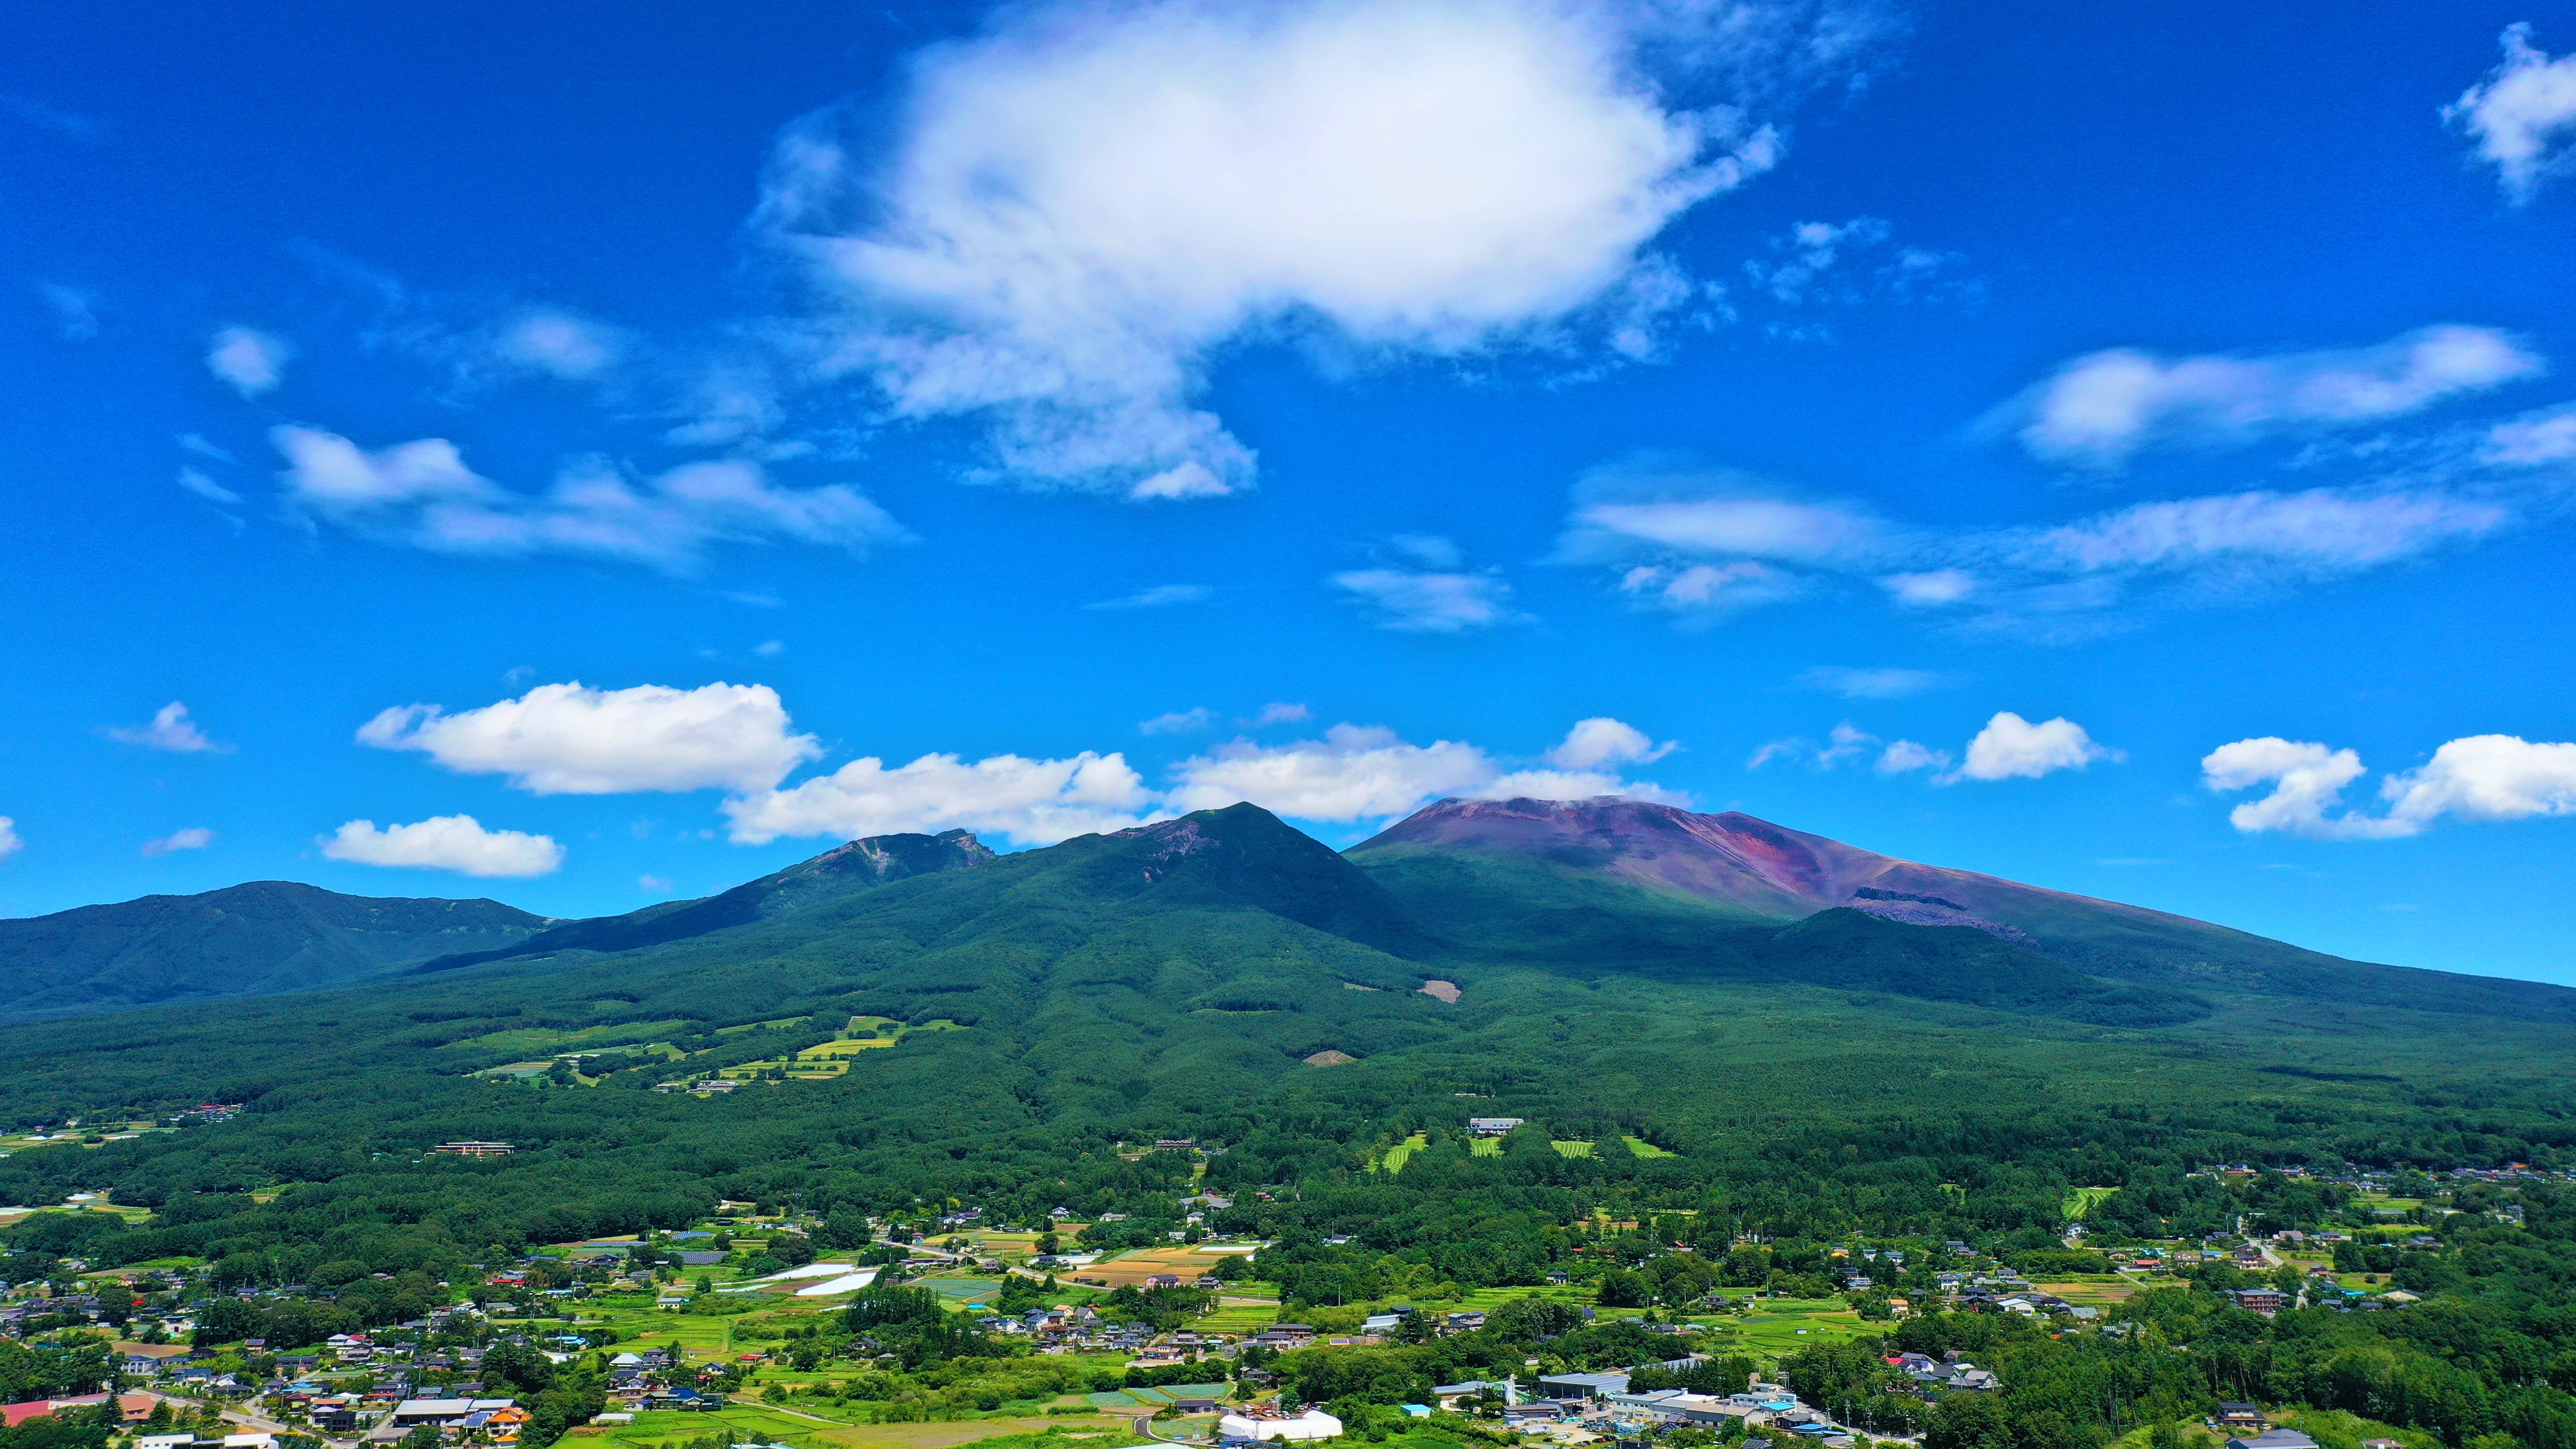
(730, 1331)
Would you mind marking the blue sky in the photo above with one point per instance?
(590, 457)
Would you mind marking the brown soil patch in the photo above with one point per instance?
(1135, 1268)
(1330, 1058)
(1441, 990)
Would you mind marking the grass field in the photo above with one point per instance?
(2084, 1199)
(1783, 1325)
(2097, 1290)
(1239, 1318)
(764, 1424)
(1644, 1148)
(1572, 1149)
(1393, 1161)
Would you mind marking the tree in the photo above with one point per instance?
(1622, 1289)
(1968, 1421)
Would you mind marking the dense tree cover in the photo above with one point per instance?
(71, 1429)
(52, 1370)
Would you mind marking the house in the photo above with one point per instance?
(152, 1358)
(1448, 1395)
(1492, 1126)
(130, 1408)
(1163, 1280)
(1583, 1386)
(1253, 1427)
(444, 1411)
(2277, 1439)
(2240, 1416)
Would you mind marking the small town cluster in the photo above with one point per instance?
(769, 1324)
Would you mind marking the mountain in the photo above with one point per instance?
(1601, 970)
(266, 936)
(861, 864)
(1624, 879)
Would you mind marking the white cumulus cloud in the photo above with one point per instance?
(570, 739)
(445, 842)
(253, 362)
(2101, 409)
(1601, 740)
(1085, 204)
(170, 730)
(2522, 115)
(1904, 756)
(422, 494)
(10, 841)
(2307, 780)
(1033, 802)
(2487, 777)
(1360, 773)
(2478, 777)
(2011, 747)
(195, 837)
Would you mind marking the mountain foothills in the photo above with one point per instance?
(1669, 1059)
(269, 935)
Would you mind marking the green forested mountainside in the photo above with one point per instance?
(243, 940)
(856, 866)
(1171, 982)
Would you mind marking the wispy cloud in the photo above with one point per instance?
(1656, 526)
(195, 837)
(1159, 596)
(422, 494)
(74, 309)
(1422, 585)
(1179, 722)
(2522, 115)
(1853, 683)
(2100, 410)
(170, 730)
(71, 125)
(207, 488)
